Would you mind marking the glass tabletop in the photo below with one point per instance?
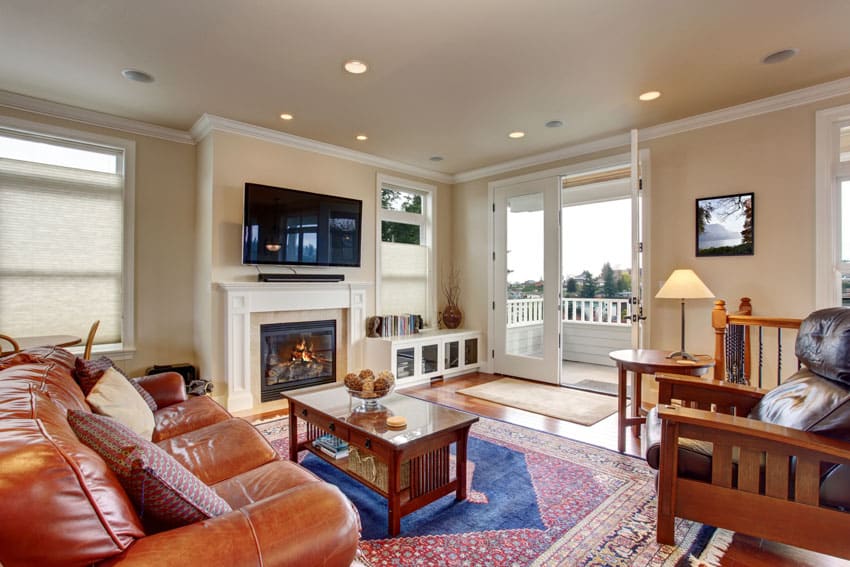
(423, 418)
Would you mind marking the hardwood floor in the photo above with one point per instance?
(745, 551)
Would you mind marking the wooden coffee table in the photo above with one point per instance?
(410, 467)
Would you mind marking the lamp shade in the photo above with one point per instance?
(684, 284)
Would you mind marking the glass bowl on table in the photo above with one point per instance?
(368, 387)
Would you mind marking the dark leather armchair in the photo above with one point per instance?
(772, 464)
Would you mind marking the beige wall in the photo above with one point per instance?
(189, 207)
(165, 240)
(236, 159)
(771, 155)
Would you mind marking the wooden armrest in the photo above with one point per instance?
(752, 428)
(706, 393)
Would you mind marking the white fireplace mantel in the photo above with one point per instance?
(241, 299)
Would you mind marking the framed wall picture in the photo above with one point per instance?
(725, 225)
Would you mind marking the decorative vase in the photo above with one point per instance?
(452, 316)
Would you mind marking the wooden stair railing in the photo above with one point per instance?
(733, 342)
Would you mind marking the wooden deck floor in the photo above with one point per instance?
(745, 551)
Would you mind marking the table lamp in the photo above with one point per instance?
(682, 285)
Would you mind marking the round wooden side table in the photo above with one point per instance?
(646, 361)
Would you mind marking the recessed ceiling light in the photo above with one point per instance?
(362, 137)
(780, 56)
(136, 75)
(285, 116)
(436, 158)
(650, 95)
(356, 67)
(554, 124)
(516, 135)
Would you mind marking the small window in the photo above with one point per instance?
(406, 260)
(394, 199)
(62, 237)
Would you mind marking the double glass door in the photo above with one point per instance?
(532, 298)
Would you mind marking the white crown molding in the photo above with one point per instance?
(563, 153)
(782, 101)
(209, 122)
(774, 103)
(93, 117)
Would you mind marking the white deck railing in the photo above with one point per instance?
(601, 311)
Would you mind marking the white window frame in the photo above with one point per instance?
(428, 229)
(829, 172)
(127, 347)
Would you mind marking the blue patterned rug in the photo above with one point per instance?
(534, 499)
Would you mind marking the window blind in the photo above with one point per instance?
(404, 279)
(61, 242)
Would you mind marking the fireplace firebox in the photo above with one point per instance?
(295, 355)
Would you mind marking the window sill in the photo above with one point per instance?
(114, 351)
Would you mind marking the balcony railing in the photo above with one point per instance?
(600, 311)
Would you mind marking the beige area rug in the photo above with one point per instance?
(580, 407)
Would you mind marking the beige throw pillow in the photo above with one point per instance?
(114, 396)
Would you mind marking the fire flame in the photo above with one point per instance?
(302, 352)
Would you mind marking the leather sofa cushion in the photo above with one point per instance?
(196, 412)
(43, 355)
(220, 451)
(165, 493)
(823, 343)
(694, 455)
(59, 497)
(262, 482)
(808, 402)
(55, 381)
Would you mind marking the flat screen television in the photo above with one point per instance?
(298, 228)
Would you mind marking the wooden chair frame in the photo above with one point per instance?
(90, 340)
(7, 339)
(750, 494)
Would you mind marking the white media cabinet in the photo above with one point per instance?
(429, 354)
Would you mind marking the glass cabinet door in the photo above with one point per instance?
(470, 351)
(429, 358)
(404, 363)
(452, 355)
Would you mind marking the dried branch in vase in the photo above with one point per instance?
(451, 286)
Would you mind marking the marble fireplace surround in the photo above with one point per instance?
(241, 299)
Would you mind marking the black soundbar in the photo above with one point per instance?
(300, 277)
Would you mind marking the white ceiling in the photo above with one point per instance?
(447, 77)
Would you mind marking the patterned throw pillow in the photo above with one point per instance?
(88, 372)
(165, 493)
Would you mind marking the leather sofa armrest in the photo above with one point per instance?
(310, 524)
(166, 388)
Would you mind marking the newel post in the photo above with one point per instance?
(718, 321)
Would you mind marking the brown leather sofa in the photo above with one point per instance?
(772, 464)
(61, 505)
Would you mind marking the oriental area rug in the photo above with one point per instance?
(534, 499)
